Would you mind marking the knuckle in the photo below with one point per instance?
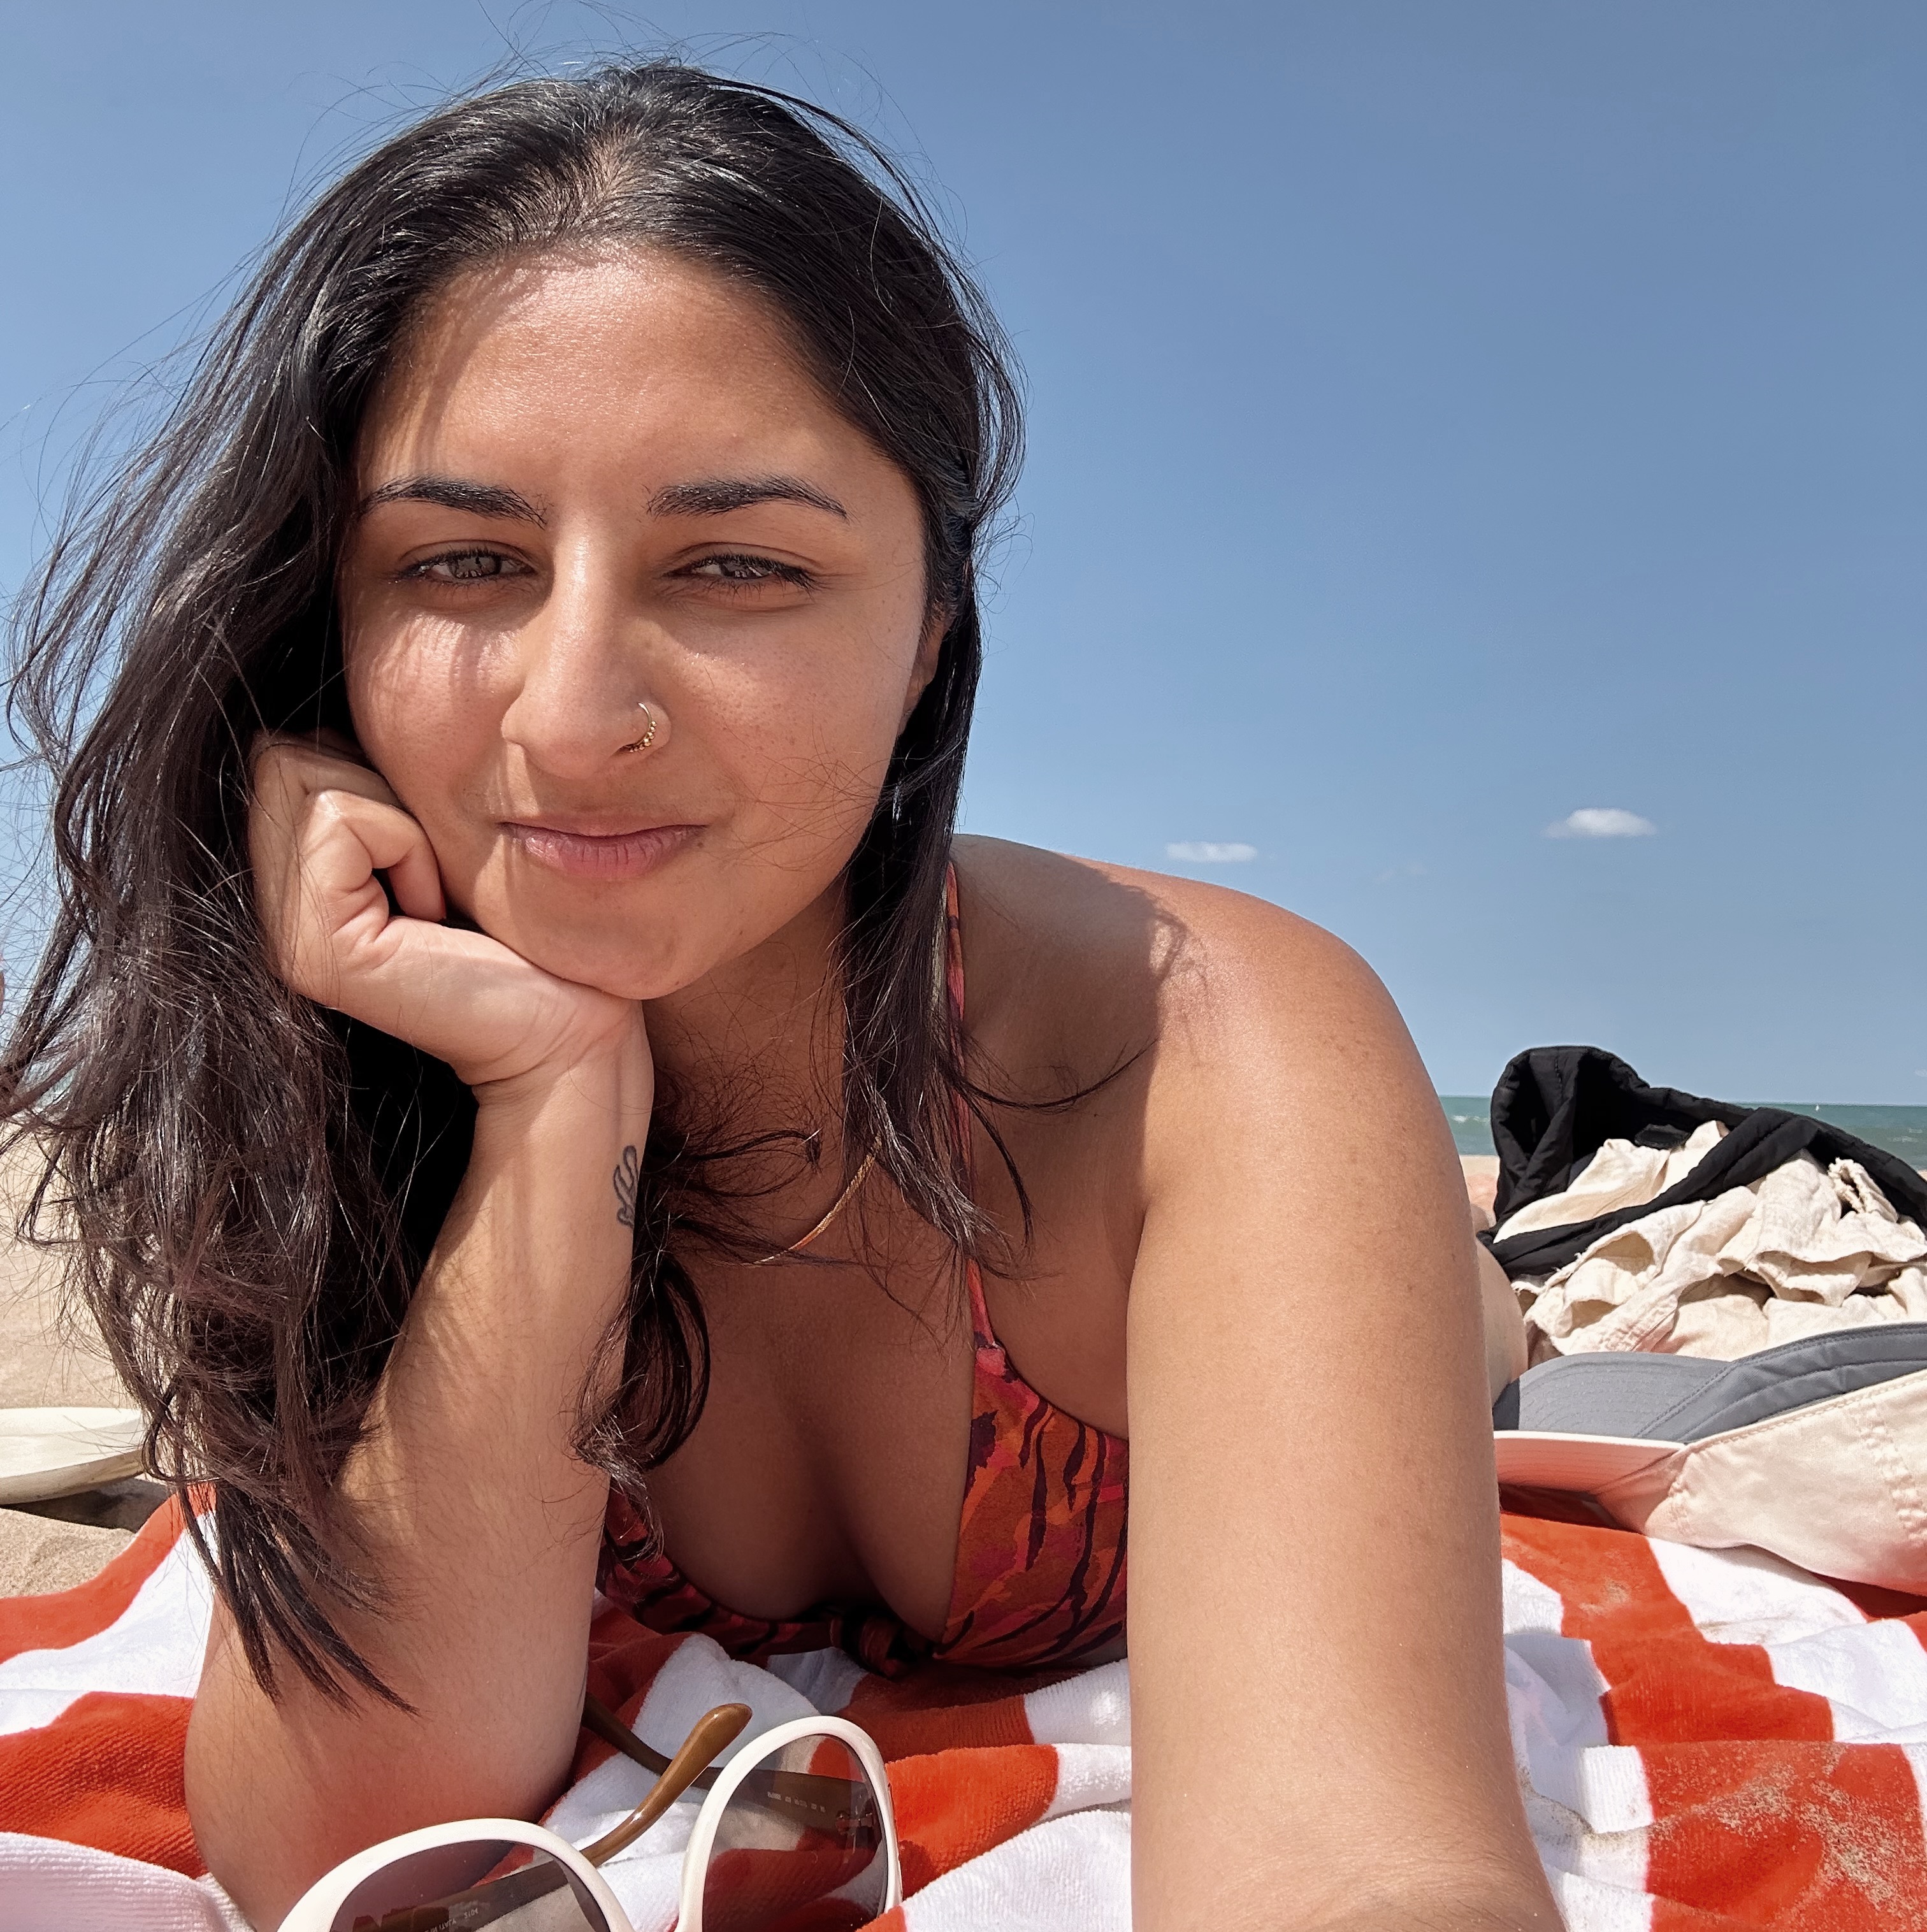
(329, 808)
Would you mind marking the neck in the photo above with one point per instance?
(762, 1035)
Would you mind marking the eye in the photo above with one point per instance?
(734, 567)
(466, 566)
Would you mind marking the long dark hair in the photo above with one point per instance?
(246, 1186)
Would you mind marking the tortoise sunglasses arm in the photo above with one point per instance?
(713, 1733)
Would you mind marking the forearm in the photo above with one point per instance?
(1318, 1695)
(469, 1508)
(1500, 1908)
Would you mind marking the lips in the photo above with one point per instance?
(604, 856)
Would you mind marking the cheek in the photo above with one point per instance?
(416, 721)
(806, 743)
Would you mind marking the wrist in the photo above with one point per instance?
(613, 1076)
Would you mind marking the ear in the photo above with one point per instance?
(929, 648)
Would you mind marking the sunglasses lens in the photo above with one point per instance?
(479, 1882)
(800, 1846)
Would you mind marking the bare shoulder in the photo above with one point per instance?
(1249, 1037)
(1080, 953)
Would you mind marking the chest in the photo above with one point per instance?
(831, 1458)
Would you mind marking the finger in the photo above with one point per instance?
(357, 836)
(415, 880)
(290, 776)
(289, 767)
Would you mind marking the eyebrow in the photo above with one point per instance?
(717, 496)
(453, 493)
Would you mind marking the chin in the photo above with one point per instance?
(621, 963)
(617, 972)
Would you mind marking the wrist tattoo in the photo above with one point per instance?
(628, 1179)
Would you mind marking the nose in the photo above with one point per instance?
(583, 698)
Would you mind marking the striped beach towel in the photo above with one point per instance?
(1705, 1740)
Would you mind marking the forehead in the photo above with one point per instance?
(634, 354)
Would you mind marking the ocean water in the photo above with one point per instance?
(1901, 1130)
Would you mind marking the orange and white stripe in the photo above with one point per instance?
(1705, 1740)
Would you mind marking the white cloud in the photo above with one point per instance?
(1602, 821)
(1210, 852)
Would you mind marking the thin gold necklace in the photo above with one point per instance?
(836, 1208)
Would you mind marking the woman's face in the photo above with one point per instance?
(596, 484)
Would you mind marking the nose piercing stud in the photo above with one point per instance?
(648, 738)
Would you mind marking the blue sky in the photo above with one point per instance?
(1445, 419)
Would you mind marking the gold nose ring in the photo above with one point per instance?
(648, 738)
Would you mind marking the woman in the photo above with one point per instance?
(542, 1098)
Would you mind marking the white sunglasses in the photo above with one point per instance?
(795, 1835)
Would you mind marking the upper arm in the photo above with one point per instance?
(1317, 1677)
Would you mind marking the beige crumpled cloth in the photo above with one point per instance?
(1804, 1250)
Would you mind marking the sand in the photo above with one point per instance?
(45, 1363)
(37, 1555)
(1481, 1174)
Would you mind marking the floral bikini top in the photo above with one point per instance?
(1039, 1576)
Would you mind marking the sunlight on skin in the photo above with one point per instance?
(494, 660)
